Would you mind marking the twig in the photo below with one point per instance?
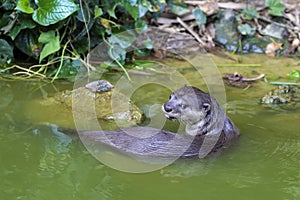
(278, 24)
(230, 5)
(253, 79)
(194, 34)
(240, 6)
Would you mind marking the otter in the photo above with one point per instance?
(208, 129)
(200, 112)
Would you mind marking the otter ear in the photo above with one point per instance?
(206, 107)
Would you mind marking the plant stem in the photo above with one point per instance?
(284, 83)
(61, 62)
(238, 65)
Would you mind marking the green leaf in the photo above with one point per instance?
(246, 29)
(27, 42)
(46, 37)
(140, 26)
(294, 75)
(179, 9)
(249, 14)
(132, 2)
(111, 11)
(141, 52)
(5, 19)
(148, 44)
(154, 7)
(51, 42)
(8, 5)
(142, 11)
(124, 39)
(132, 10)
(53, 11)
(97, 12)
(6, 52)
(118, 53)
(24, 6)
(276, 7)
(69, 69)
(24, 22)
(135, 11)
(199, 16)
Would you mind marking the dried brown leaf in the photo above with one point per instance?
(272, 48)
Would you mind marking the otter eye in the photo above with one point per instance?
(170, 96)
(183, 106)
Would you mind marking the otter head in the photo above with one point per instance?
(188, 104)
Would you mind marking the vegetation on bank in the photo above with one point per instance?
(56, 36)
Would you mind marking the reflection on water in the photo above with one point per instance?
(39, 162)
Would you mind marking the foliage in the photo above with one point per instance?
(199, 16)
(275, 7)
(294, 75)
(250, 14)
(246, 29)
(6, 52)
(51, 42)
(47, 29)
(179, 8)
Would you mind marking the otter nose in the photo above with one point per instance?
(167, 107)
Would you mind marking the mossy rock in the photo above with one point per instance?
(105, 106)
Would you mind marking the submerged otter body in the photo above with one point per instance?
(208, 129)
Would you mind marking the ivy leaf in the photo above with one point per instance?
(179, 9)
(249, 14)
(199, 16)
(97, 12)
(53, 11)
(6, 52)
(27, 42)
(294, 75)
(142, 11)
(8, 5)
(124, 39)
(148, 44)
(24, 6)
(276, 7)
(111, 11)
(51, 42)
(132, 2)
(135, 11)
(246, 29)
(69, 70)
(132, 10)
(24, 22)
(140, 26)
(117, 53)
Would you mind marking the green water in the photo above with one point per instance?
(38, 163)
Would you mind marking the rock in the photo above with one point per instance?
(281, 95)
(274, 30)
(226, 30)
(99, 86)
(106, 105)
(121, 109)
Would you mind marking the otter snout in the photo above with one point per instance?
(167, 108)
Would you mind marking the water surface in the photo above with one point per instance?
(38, 162)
